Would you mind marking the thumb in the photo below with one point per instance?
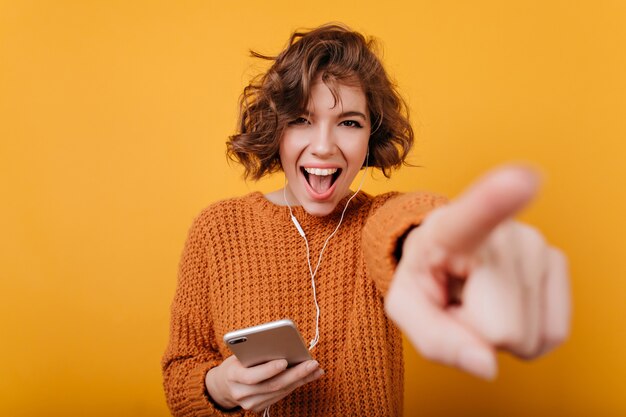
(436, 334)
(497, 196)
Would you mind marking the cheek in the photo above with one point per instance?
(289, 151)
(285, 149)
(356, 150)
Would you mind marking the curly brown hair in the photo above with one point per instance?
(273, 99)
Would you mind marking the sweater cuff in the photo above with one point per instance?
(386, 229)
(200, 402)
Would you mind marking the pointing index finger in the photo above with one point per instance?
(494, 198)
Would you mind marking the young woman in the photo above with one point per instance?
(460, 279)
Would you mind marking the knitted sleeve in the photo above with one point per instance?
(191, 350)
(392, 217)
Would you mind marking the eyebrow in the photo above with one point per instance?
(350, 113)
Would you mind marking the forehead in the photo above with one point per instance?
(339, 95)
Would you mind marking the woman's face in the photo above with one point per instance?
(322, 151)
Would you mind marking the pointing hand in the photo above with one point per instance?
(471, 280)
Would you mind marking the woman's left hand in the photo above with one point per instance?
(471, 280)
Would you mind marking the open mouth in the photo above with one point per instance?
(321, 180)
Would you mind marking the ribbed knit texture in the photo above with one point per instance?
(244, 264)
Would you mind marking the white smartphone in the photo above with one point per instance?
(267, 342)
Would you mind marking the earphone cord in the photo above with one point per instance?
(319, 260)
(266, 412)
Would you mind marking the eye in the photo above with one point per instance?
(298, 121)
(351, 123)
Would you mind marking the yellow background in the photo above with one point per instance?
(113, 118)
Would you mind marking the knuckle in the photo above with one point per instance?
(246, 378)
(503, 234)
(236, 394)
(557, 336)
(511, 337)
(247, 405)
(304, 372)
(234, 374)
(559, 257)
(275, 386)
(516, 337)
(429, 350)
(532, 234)
(299, 383)
(311, 378)
(428, 353)
(529, 349)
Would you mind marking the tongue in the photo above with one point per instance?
(320, 183)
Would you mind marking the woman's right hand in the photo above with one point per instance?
(231, 384)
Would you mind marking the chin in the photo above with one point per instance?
(319, 209)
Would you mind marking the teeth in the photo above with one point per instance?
(320, 171)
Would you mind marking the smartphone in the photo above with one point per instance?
(267, 342)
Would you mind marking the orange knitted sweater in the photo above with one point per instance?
(244, 263)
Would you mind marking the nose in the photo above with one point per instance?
(323, 143)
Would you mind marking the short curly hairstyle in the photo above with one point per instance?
(273, 99)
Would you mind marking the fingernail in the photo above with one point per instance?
(479, 362)
(282, 364)
(311, 365)
(319, 373)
